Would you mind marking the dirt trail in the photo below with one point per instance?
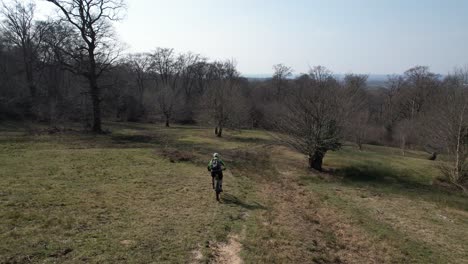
(316, 233)
(224, 252)
(228, 253)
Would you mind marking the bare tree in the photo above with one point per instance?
(166, 99)
(55, 39)
(447, 127)
(19, 28)
(357, 103)
(358, 127)
(167, 68)
(406, 98)
(224, 101)
(391, 111)
(280, 76)
(139, 67)
(140, 64)
(420, 84)
(98, 50)
(312, 120)
(193, 83)
(404, 131)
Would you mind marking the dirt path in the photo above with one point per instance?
(223, 252)
(299, 226)
(228, 253)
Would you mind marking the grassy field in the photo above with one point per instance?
(141, 194)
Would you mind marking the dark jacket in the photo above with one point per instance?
(210, 164)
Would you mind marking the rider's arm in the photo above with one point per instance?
(209, 165)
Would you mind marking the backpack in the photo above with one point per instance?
(215, 165)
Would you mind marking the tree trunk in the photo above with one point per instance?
(141, 107)
(32, 89)
(359, 143)
(96, 100)
(30, 82)
(167, 121)
(95, 91)
(403, 145)
(29, 71)
(220, 131)
(389, 133)
(54, 97)
(316, 160)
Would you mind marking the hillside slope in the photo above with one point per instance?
(142, 194)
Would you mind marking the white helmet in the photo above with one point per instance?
(215, 155)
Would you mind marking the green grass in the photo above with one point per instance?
(111, 198)
(392, 198)
(76, 197)
(386, 171)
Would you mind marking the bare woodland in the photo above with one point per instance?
(71, 68)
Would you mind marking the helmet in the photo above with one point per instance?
(215, 155)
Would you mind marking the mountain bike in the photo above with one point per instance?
(217, 182)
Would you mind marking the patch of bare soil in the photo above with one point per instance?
(127, 242)
(228, 253)
(197, 256)
(175, 155)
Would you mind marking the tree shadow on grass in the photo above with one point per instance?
(125, 139)
(378, 174)
(131, 140)
(128, 125)
(248, 140)
(233, 200)
(390, 180)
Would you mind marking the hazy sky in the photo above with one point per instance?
(361, 36)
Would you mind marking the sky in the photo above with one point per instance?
(346, 36)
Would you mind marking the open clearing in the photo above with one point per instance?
(142, 195)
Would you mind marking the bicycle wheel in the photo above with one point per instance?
(218, 187)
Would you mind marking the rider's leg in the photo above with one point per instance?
(213, 175)
(221, 180)
(220, 184)
(217, 187)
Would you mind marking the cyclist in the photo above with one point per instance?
(216, 167)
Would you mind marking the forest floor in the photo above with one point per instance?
(142, 194)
